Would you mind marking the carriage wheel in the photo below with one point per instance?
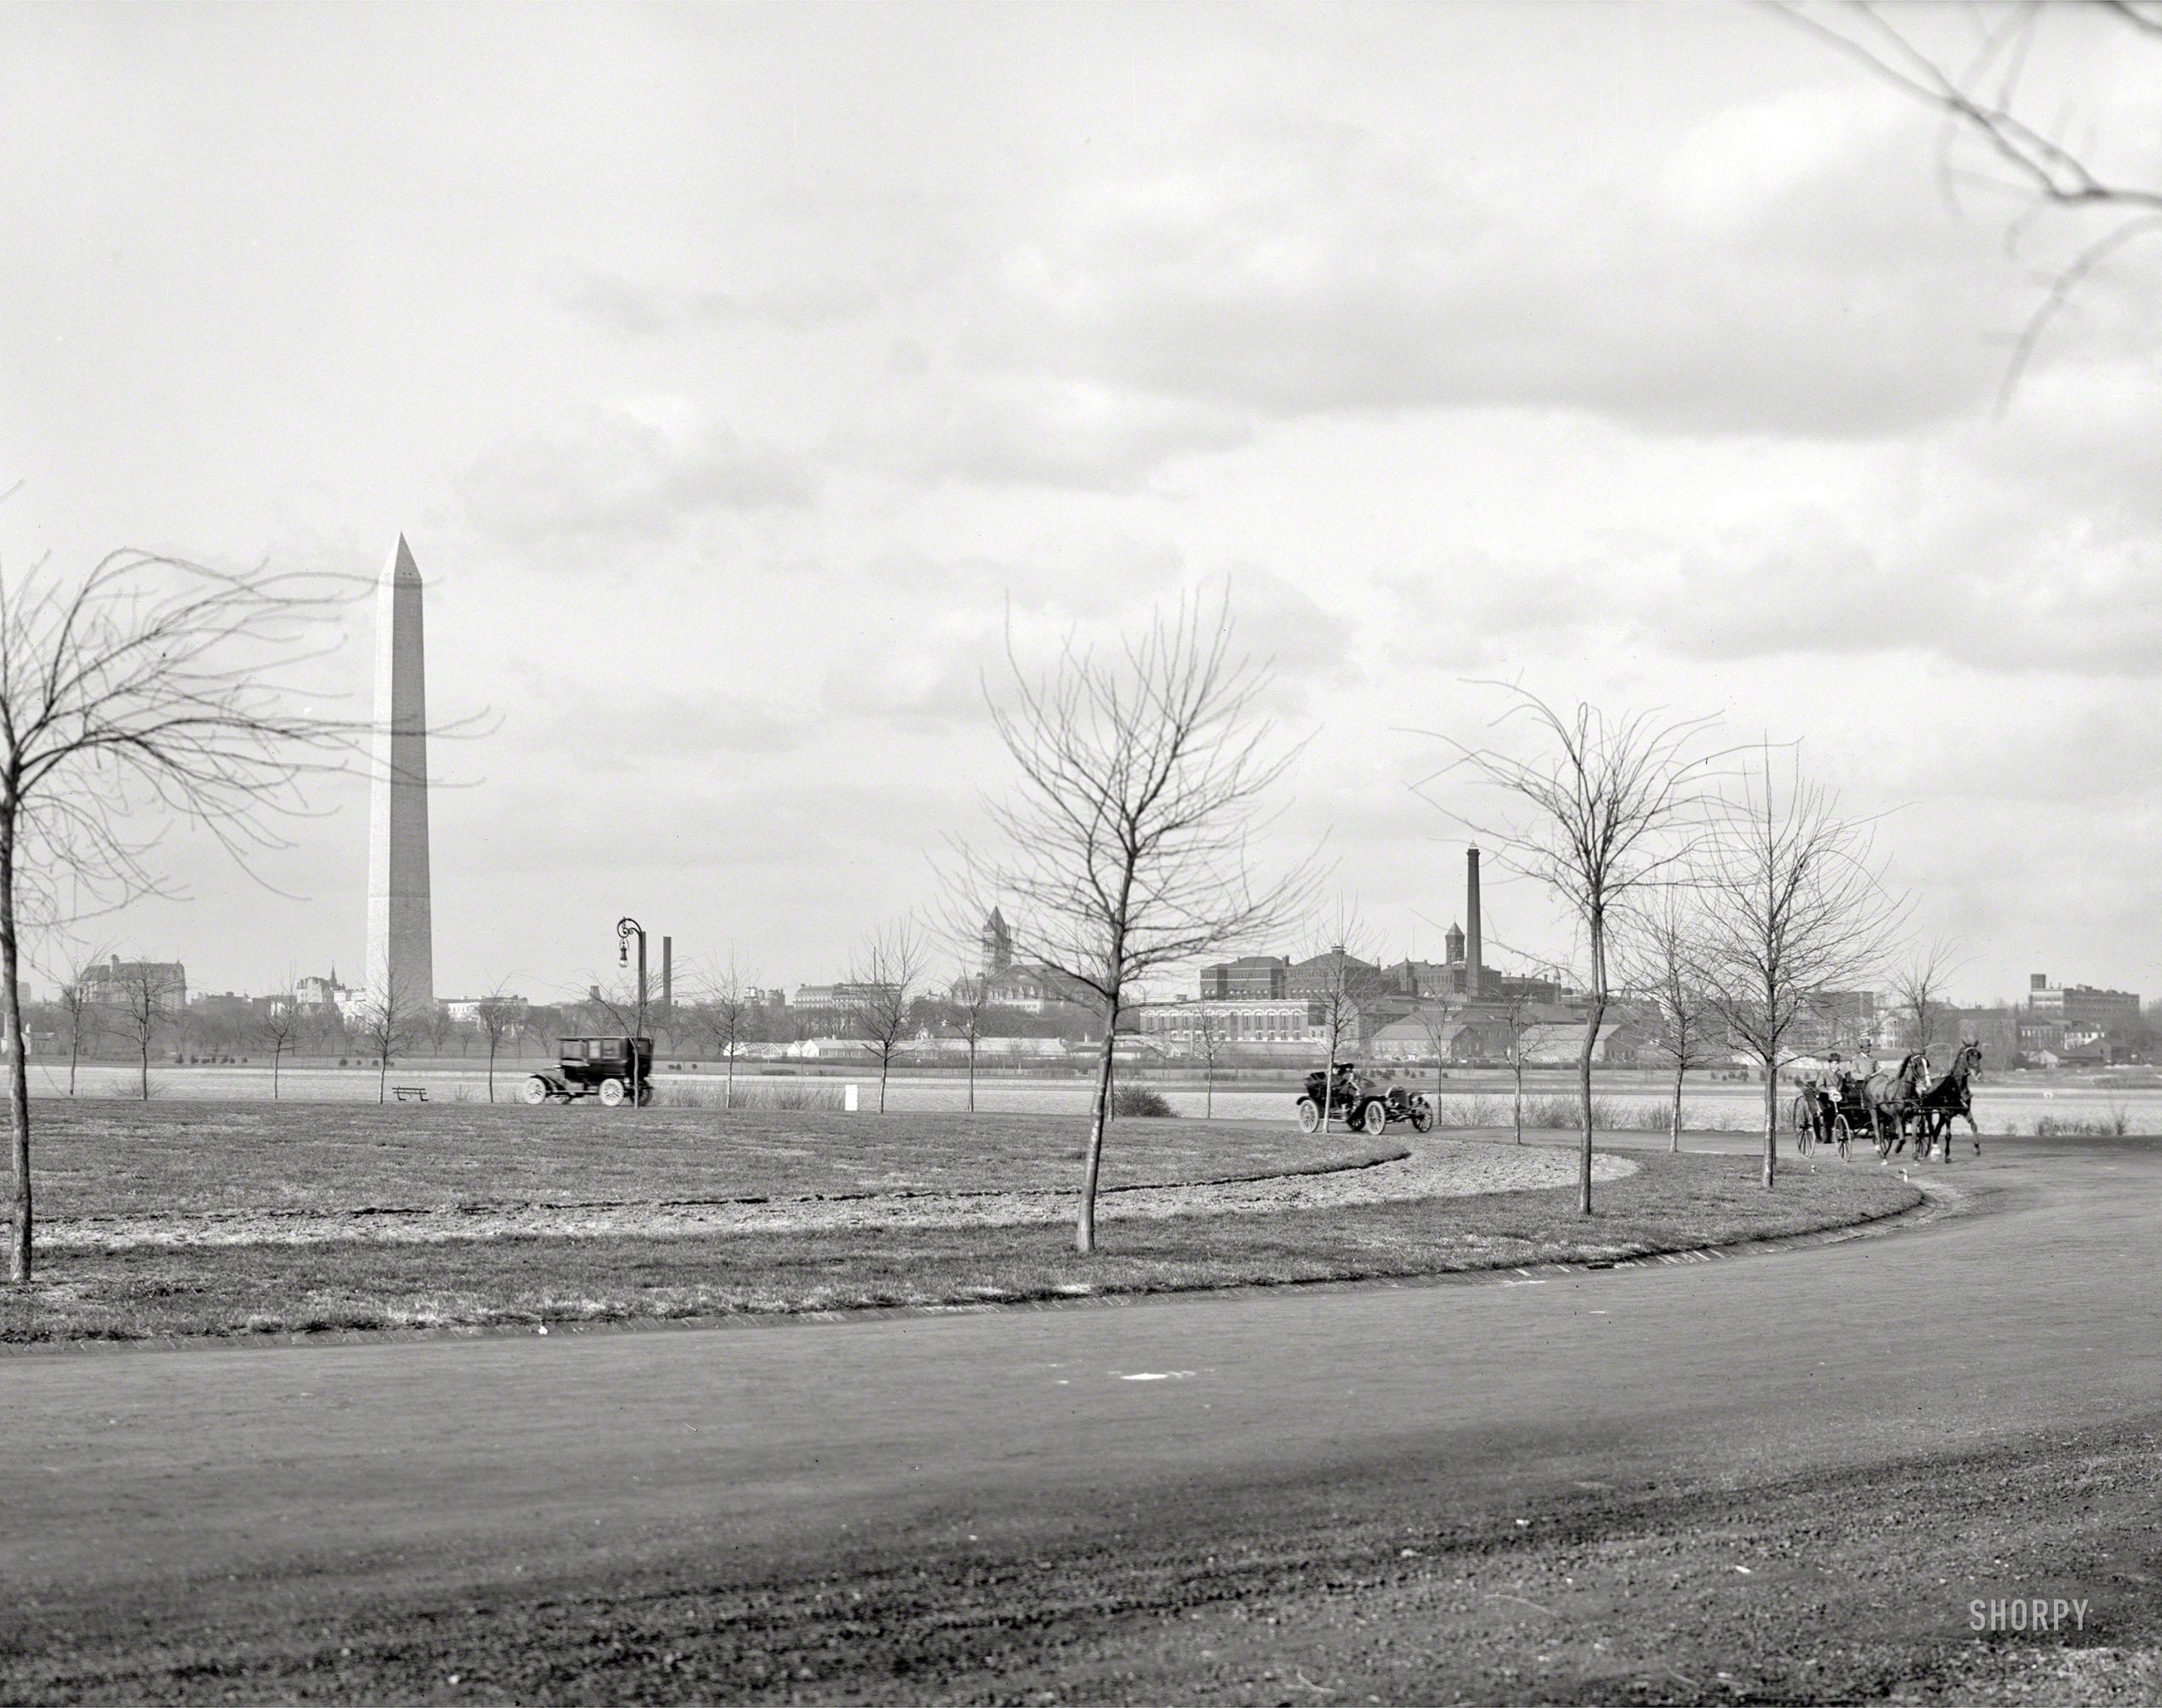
(536, 1090)
(1803, 1119)
(1841, 1134)
(1373, 1119)
(611, 1091)
(1309, 1116)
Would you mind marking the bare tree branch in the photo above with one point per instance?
(1794, 907)
(1983, 100)
(1125, 846)
(887, 973)
(1603, 809)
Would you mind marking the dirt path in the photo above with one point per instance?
(1436, 1166)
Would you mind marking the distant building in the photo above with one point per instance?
(1193, 1028)
(465, 1009)
(1033, 988)
(117, 984)
(1842, 1020)
(2074, 1004)
(837, 1001)
(1263, 976)
(321, 996)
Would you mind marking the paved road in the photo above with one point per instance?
(1058, 1501)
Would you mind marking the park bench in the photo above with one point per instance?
(410, 1094)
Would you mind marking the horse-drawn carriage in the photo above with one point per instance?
(1885, 1106)
(1343, 1095)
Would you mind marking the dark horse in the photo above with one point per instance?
(1951, 1098)
(1892, 1098)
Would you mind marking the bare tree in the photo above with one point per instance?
(1142, 770)
(1661, 953)
(1918, 991)
(149, 687)
(1208, 1040)
(1599, 813)
(498, 1019)
(150, 1005)
(1793, 907)
(1518, 1015)
(968, 1000)
(1436, 1022)
(389, 1023)
(1976, 66)
(83, 1019)
(276, 1026)
(724, 1010)
(886, 973)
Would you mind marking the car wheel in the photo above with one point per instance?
(611, 1091)
(1373, 1119)
(536, 1090)
(1422, 1115)
(1309, 1116)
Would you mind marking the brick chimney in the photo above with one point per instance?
(1471, 934)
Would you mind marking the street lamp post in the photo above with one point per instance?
(626, 928)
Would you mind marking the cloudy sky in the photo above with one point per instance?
(740, 373)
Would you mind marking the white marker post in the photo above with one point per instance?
(848, 1097)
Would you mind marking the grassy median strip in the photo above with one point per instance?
(114, 1158)
(1671, 1203)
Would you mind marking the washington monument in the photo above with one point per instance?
(401, 937)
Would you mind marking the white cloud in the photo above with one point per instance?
(638, 471)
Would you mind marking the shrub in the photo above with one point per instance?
(1472, 1110)
(2113, 1125)
(750, 1094)
(1138, 1100)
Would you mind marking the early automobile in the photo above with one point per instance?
(614, 1069)
(1360, 1110)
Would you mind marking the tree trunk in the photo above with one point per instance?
(885, 1062)
(728, 1076)
(1680, 1067)
(1085, 1227)
(491, 1067)
(1771, 1116)
(19, 1074)
(1517, 1058)
(74, 1049)
(1209, 1090)
(1593, 1021)
(276, 1052)
(382, 1075)
(146, 1065)
(972, 1073)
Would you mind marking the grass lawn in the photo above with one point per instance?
(109, 1157)
(1671, 1203)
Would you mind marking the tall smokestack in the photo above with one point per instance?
(668, 970)
(1471, 968)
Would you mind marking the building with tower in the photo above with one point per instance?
(997, 945)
